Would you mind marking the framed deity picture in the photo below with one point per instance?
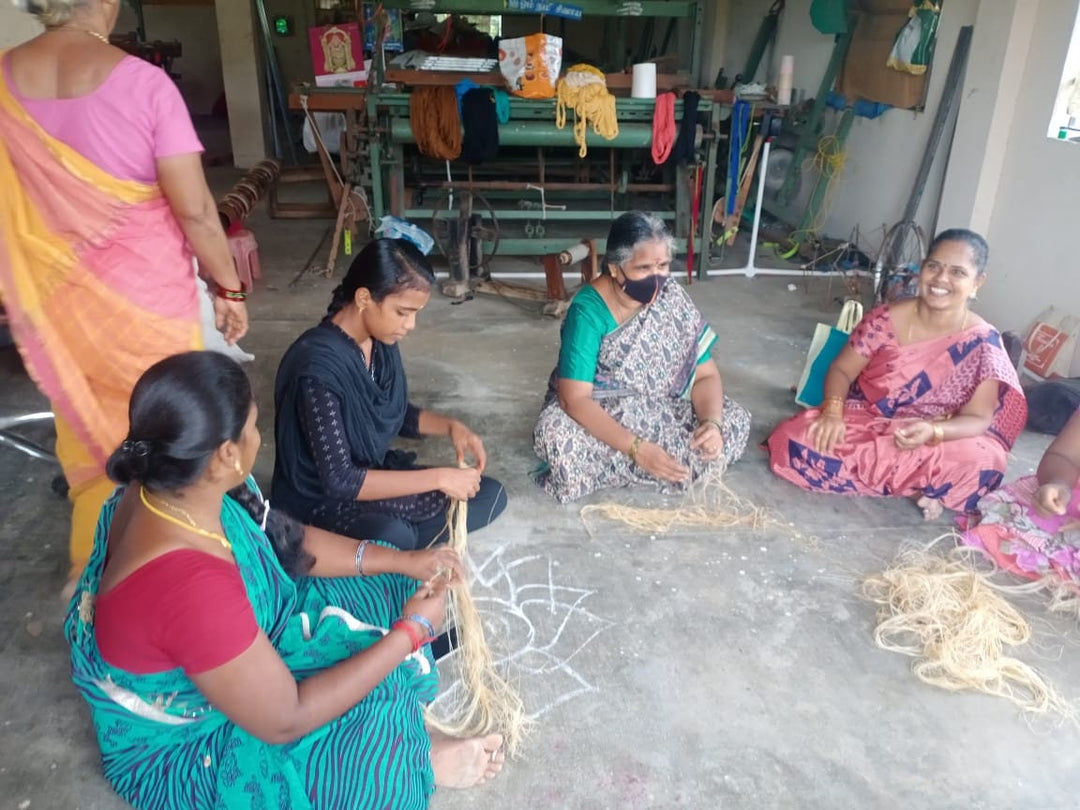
(337, 55)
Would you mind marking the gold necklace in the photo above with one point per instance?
(191, 526)
(94, 34)
(911, 326)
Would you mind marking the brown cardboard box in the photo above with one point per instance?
(865, 74)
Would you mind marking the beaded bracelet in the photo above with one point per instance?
(360, 558)
(414, 637)
(422, 621)
(231, 295)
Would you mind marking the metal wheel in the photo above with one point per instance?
(472, 220)
(898, 261)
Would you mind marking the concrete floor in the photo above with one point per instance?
(700, 670)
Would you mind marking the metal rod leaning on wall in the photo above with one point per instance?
(809, 137)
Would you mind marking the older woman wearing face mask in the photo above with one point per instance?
(636, 397)
(103, 204)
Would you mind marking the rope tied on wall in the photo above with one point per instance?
(584, 90)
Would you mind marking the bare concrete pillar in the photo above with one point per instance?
(241, 67)
(992, 87)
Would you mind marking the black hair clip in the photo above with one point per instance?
(137, 448)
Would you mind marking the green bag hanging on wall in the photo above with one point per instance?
(913, 47)
(829, 16)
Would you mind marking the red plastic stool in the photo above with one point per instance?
(245, 253)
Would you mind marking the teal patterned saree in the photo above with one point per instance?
(163, 746)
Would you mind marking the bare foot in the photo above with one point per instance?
(68, 590)
(931, 507)
(462, 763)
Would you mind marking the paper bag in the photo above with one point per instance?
(1050, 345)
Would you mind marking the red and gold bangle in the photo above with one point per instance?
(231, 295)
(414, 635)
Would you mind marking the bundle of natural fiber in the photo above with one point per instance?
(491, 704)
(709, 504)
(950, 617)
(584, 89)
(436, 124)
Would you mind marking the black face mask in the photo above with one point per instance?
(644, 290)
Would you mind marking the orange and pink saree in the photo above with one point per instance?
(98, 285)
(930, 379)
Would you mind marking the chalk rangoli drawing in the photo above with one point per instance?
(535, 630)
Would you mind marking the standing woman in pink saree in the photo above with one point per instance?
(104, 203)
(923, 402)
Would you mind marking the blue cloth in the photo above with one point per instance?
(502, 105)
(461, 88)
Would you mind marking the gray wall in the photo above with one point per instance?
(1021, 187)
(882, 154)
(196, 28)
(15, 26)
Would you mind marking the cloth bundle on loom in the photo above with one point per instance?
(584, 90)
(684, 149)
(666, 147)
(663, 137)
(479, 115)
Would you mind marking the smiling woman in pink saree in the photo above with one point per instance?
(922, 402)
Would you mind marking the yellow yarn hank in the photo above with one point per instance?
(951, 618)
(491, 704)
(584, 89)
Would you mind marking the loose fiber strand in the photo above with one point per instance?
(951, 618)
(491, 704)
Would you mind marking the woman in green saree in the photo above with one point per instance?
(234, 658)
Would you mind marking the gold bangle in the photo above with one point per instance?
(715, 423)
(634, 447)
(939, 435)
(832, 406)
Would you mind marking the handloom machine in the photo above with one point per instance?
(537, 197)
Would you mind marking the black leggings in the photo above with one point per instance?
(349, 519)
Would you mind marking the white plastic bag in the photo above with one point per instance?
(396, 228)
(331, 128)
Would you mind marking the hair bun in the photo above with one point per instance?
(49, 12)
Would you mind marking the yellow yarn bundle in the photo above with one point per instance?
(584, 89)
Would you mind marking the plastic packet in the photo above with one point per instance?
(396, 228)
(531, 64)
